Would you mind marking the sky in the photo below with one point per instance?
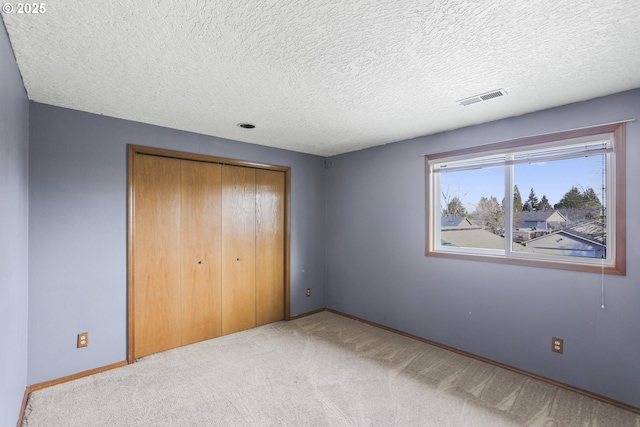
(552, 178)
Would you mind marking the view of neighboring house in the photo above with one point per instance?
(533, 224)
(459, 231)
(547, 232)
(572, 241)
(576, 215)
(595, 230)
(568, 233)
(456, 222)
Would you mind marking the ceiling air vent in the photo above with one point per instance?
(482, 97)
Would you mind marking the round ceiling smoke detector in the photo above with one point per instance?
(246, 125)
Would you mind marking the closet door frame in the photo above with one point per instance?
(135, 150)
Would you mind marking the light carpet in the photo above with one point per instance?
(320, 370)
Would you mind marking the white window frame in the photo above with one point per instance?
(615, 261)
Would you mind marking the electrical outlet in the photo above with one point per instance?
(557, 345)
(83, 339)
(308, 292)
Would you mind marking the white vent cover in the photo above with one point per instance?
(482, 97)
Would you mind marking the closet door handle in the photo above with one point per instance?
(200, 262)
(237, 259)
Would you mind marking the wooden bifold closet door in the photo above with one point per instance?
(270, 231)
(200, 253)
(209, 250)
(157, 322)
(239, 249)
(253, 247)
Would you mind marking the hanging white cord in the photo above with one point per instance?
(602, 286)
(602, 212)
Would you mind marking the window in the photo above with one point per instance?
(554, 200)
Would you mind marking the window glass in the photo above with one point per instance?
(472, 208)
(553, 199)
(559, 207)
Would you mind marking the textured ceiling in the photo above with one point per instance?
(324, 76)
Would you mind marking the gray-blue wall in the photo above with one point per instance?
(377, 269)
(14, 211)
(78, 231)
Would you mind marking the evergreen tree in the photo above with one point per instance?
(574, 199)
(455, 208)
(591, 202)
(532, 202)
(544, 204)
(571, 199)
(517, 199)
(590, 199)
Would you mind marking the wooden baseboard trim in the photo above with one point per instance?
(23, 407)
(68, 378)
(556, 383)
(309, 313)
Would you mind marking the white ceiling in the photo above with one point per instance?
(324, 76)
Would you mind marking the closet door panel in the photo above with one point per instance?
(156, 245)
(238, 248)
(201, 251)
(270, 190)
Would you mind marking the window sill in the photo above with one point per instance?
(618, 269)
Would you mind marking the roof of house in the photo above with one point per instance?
(471, 238)
(594, 230)
(454, 221)
(577, 215)
(530, 216)
(560, 237)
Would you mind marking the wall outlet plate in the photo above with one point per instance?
(83, 339)
(557, 345)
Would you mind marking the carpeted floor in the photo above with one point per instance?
(321, 370)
